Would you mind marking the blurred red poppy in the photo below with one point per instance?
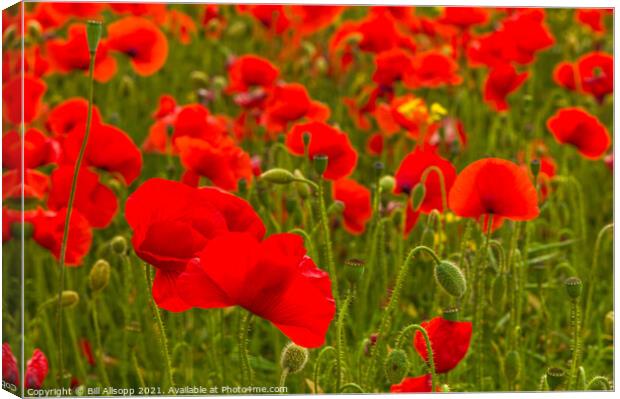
(406, 112)
(357, 207)
(273, 279)
(250, 70)
(72, 53)
(308, 19)
(273, 17)
(502, 80)
(564, 75)
(108, 148)
(223, 162)
(10, 373)
(49, 229)
(36, 370)
(410, 172)
(155, 12)
(288, 103)
(580, 129)
(96, 202)
(142, 41)
(433, 69)
(528, 35)
(596, 74)
(422, 383)
(375, 144)
(87, 351)
(81, 10)
(392, 66)
(449, 341)
(38, 149)
(181, 25)
(33, 91)
(464, 17)
(593, 18)
(69, 117)
(195, 120)
(496, 187)
(160, 211)
(35, 184)
(328, 141)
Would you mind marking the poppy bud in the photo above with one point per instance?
(450, 278)
(320, 164)
(387, 183)
(336, 208)
(396, 366)
(93, 34)
(306, 137)
(573, 287)
(199, 79)
(69, 299)
(599, 384)
(555, 377)
(417, 196)
(293, 358)
(127, 86)
(278, 176)
(34, 30)
(219, 82)
(99, 276)
(302, 188)
(119, 245)
(237, 29)
(354, 269)
(535, 167)
(512, 365)
(609, 322)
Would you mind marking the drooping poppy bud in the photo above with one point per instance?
(99, 276)
(69, 299)
(119, 245)
(293, 358)
(451, 278)
(396, 366)
(278, 176)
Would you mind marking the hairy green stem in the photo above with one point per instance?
(317, 365)
(594, 270)
(429, 349)
(575, 323)
(327, 243)
(100, 362)
(246, 369)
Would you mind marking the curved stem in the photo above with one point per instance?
(594, 270)
(327, 243)
(65, 236)
(429, 349)
(283, 377)
(317, 365)
(340, 343)
(442, 183)
(351, 385)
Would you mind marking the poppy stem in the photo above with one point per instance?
(327, 243)
(283, 377)
(317, 365)
(429, 349)
(575, 323)
(442, 183)
(100, 362)
(69, 209)
(163, 340)
(340, 345)
(385, 320)
(594, 269)
(246, 369)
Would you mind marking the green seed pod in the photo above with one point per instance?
(417, 196)
(609, 322)
(119, 245)
(278, 176)
(535, 168)
(512, 365)
(450, 278)
(599, 384)
(69, 299)
(387, 183)
(93, 34)
(320, 164)
(293, 358)
(354, 269)
(396, 366)
(555, 378)
(306, 137)
(99, 276)
(200, 80)
(573, 287)
(451, 314)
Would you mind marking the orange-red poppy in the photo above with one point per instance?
(501, 81)
(356, 200)
(33, 91)
(580, 129)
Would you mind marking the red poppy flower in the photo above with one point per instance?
(108, 148)
(272, 17)
(580, 129)
(49, 229)
(422, 383)
(87, 351)
(96, 202)
(288, 103)
(81, 10)
(494, 186)
(35, 184)
(72, 54)
(328, 141)
(609, 161)
(69, 117)
(501, 81)
(250, 70)
(379, 33)
(464, 17)
(392, 66)
(142, 41)
(36, 370)
(528, 35)
(273, 279)
(357, 207)
(155, 12)
(10, 373)
(222, 162)
(449, 341)
(308, 19)
(564, 75)
(182, 25)
(433, 69)
(38, 149)
(375, 144)
(596, 74)
(159, 211)
(167, 108)
(592, 18)
(33, 91)
(47, 16)
(410, 172)
(407, 112)
(194, 120)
